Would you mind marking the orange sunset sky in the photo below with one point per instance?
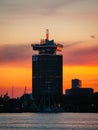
(74, 23)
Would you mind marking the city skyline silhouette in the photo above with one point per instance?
(71, 23)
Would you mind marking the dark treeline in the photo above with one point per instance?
(69, 103)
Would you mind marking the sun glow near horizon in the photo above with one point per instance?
(87, 74)
(21, 77)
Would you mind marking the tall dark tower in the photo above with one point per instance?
(46, 68)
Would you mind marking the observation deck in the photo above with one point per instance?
(47, 46)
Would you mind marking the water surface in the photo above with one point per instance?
(48, 121)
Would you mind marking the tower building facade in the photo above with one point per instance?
(47, 68)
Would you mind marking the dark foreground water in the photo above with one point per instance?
(56, 121)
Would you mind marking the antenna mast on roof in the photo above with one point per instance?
(47, 34)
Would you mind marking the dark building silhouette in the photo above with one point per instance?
(80, 91)
(76, 83)
(46, 68)
(77, 89)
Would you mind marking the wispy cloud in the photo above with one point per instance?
(73, 43)
(93, 36)
(13, 54)
(83, 55)
(36, 6)
(73, 54)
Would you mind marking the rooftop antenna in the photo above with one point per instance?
(25, 90)
(12, 92)
(47, 34)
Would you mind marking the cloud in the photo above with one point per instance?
(78, 55)
(57, 4)
(72, 44)
(73, 54)
(92, 36)
(13, 54)
(22, 7)
(53, 7)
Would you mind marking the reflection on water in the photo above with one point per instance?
(56, 121)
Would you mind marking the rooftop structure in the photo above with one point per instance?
(77, 89)
(76, 83)
(47, 46)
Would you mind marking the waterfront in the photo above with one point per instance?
(51, 121)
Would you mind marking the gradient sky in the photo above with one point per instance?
(74, 23)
